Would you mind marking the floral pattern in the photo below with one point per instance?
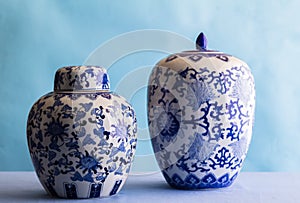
(81, 78)
(215, 99)
(82, 143)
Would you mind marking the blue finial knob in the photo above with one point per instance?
(201, 42)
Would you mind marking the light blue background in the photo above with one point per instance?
(37, 37)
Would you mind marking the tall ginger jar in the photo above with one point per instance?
(200, 115)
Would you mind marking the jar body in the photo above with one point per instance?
(200, 116)
(82, 143)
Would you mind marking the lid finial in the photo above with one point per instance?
(201, 42)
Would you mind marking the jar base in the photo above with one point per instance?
(192, 182)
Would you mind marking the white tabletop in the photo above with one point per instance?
(248, 187)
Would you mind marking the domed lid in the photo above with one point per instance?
(200, 55)
(81, 78)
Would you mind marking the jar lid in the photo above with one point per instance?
(81, 78)
(198, 55)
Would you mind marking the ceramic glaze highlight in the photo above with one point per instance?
(200, 114)
(81, 137)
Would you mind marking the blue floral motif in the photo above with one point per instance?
(88, 163)
(120, 131)
(201, 149)
(169, 126)
(222, 159)
(167, 122)
(214, 110)
(201, 92)
(57, 130)
(70, 134)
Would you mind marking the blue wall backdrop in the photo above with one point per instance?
(37, 37)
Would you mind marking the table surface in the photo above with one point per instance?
(248, 187)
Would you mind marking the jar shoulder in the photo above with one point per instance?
(104, 99)
(202, 63)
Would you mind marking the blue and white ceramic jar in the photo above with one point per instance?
(200, 114)
(82, 137)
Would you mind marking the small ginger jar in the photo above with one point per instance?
(82, 137)
(200, 114)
